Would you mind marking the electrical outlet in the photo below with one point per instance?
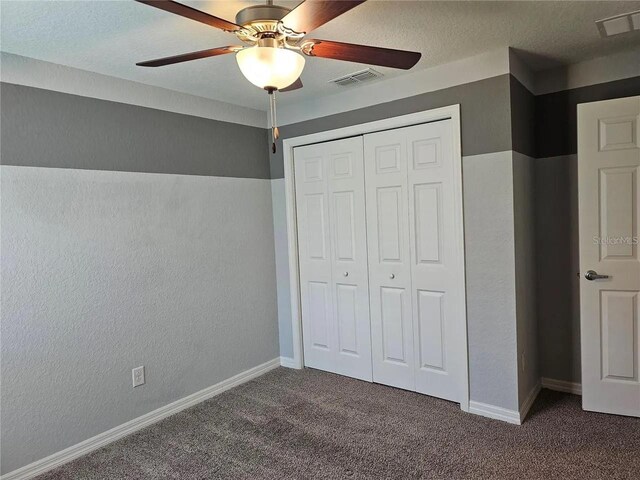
(138, 376)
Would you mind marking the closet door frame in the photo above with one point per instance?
(451, 112)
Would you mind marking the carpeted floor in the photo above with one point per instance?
(309, 424)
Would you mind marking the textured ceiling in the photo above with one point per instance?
(109, 37)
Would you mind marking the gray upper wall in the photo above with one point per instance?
(556, 114)
(484, 109)
(523, 108)
(497, 114)
(545, 125)
(43, 128)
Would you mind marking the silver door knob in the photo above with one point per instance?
(346, 274)
(392, 276)
(593, 275)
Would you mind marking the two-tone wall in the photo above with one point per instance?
(138, 229)
(556, 196)
(524, 214)
(544, 125)
(520, 205)
(488, 178)
(130, 236)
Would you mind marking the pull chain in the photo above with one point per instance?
(275, 133)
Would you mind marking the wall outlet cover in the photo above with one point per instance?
(137, 375)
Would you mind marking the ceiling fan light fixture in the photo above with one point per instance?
(276, 34)
(270, 67)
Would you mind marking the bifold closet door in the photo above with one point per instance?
(330, 201)
(389, 259)
(415, 259)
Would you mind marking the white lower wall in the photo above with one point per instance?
(278, 199)
(105, 271)
(525, 247)
(490, 275)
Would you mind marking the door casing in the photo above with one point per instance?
(450, 112)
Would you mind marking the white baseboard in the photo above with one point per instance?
(497, 413)
(528, 402)
(289, 362)
(82, 448)
(562, 386)
(510, 416)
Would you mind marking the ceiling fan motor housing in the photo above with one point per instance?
(261, 18)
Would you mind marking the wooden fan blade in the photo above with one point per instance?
(193, 14)
(310, 14)
(385, 57)
(294, 86)
(212, 52)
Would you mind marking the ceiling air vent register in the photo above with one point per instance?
(357, 77)
(624, 23)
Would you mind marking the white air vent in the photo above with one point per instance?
(624, 23)
(357, 77)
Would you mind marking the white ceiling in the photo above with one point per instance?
(109, 37)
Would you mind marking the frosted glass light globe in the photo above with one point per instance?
(270, 66)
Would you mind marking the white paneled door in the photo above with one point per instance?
(381, 258)
(329, 182)
(609, 200)
(416, 259)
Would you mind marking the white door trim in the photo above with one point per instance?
(450, 112)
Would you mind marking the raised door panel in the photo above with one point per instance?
(342, 165)
(619, 327)
(389, 269)
(345, 237)
(619, 201)
(395, 337)
(312, 169)
(319, 309)
(347, 315)
(388, 158)
(390, 209)
(428, 222)
(315, 231)
(431, 329)
(426, 153)
(618, 133)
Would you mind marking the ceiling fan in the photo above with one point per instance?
(273, 38)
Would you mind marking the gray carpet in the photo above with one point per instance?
(310, 424)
